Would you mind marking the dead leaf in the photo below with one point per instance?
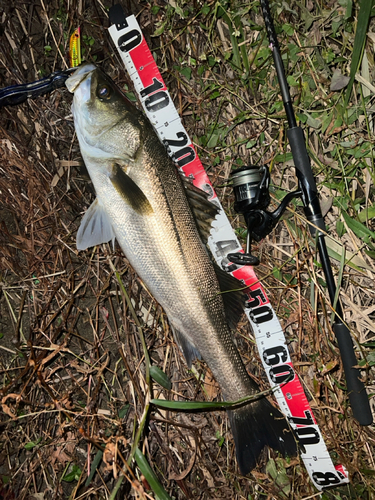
(8, 411)
(60, 456)
(338, 81)
(183, 474)
(109, 458)
(210, 386)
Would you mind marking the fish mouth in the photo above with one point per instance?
(81, 78)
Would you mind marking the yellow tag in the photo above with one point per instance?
(75, 48)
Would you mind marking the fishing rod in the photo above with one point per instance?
(250, 186)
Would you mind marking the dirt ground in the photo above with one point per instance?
(71, 360)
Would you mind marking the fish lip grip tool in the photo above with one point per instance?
(16, 94)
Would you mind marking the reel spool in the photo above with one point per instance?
(251, 190)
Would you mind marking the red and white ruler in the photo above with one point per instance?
(160, 110)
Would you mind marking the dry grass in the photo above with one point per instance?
(72, 364)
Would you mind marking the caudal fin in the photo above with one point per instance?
(255, 426)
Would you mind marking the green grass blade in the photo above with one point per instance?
(359, 43)
(136, 320)
(367, 214)
(206, 405)
(150, 476)
(236, 52)
(94, 466)
(359, 229)
(160, 377)
(116, 488)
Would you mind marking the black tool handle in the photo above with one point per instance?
(15, 94)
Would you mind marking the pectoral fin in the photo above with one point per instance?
(129, 191)
(95, 228)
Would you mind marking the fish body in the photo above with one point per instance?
(143, 202)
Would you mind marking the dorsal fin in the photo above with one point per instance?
(233, 293)
(204, 211)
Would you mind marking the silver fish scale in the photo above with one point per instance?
(200, 315)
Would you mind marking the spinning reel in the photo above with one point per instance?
(251, 190)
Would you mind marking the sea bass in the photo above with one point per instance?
(161, 222)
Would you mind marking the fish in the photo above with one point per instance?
(162, 223)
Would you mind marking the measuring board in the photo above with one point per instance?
(159, 108)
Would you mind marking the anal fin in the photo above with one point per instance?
(187, 347)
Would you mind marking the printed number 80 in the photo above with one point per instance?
(325, 478)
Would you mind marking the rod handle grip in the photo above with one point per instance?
(357, 393)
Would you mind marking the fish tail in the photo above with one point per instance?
(255, 426)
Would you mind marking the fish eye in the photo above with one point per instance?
(104, 92)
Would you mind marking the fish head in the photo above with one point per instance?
(106, 122)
